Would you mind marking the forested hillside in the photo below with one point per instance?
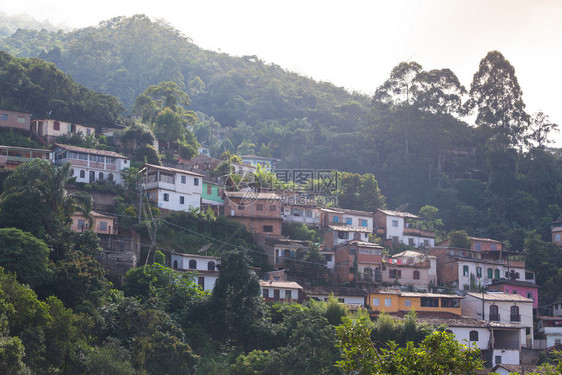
(496, 179)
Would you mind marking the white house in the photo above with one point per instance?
(397, 227)
(503, 308)
(551, 328)
(266, 163)
(172, 189)
(349, 296)
(305, 214)
(205, 266)
(90, 165)
(281, 291)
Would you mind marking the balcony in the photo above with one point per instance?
(495, 317)
(515, 317)
(509, 345)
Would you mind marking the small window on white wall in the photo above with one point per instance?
(557, 238)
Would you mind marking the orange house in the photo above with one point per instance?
(103, 224)
(396, 301)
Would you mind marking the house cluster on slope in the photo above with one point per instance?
(483, 294)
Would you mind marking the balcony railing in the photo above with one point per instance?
(494, 317)
(515, 317)
(513, 345)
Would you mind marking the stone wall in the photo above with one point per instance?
(120, 254)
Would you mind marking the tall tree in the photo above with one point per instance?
(496, 93)
(540, 128)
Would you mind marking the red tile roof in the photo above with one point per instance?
(89, 151)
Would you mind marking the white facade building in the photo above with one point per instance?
(394, 226)
(280, 290)
(204, 266)
(89, 165)
(172, 189)
(505, 309)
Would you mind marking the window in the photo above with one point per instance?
(276, 294)
(473, 335)
(410, 241)
(450, 302)
(175, 264)
(465, 270)
(110, 160)
(363, 222)
(557, 238)
(328, 257)
(376, 302)
(530, 295)
(266, 293)
(352, 251)
(182, 200)
(394, 274)
(196, 181)
(82, 174)
(395, 223)
(429, 302)
(348, 221)
(478, 271)
(209, 190)
(72, 171)
(477, 246)
(166, 197)
(56, 125)
(498, 360)
(21, 120)
(408, 302)
(308, 213)
(201, 282)
(529, 276)
(81, 224)
(288, 294)
(110, 177)
(336, 219)
(493, 247)
(387, 302)
(241, 207)
(192, 264)
(268, 228)
(100, 176)
(259, 207)
(4, 117)
(514, 314)
(425, 242)
(416, 275)
(103, 226)
(490, 273)
(272, 207)
(211, 266)
(183, 179)
(343, 235)
(497, 274)
(494, 313)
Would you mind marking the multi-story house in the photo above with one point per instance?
(11, 157)
(50, 129)
(15, 120)
(556, 230)
(90, 165)
(259, 212)
(397, 227)
(288, 291)
(503, 308)
(204, 266)
(410, 268)
(301, 213)
(172, 189)
(469, 269)
(286, 250)
(550, 327)
(351, 218)
(212, 197)
(523, 288)
(358, 261)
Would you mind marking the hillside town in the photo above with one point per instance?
(382, 261)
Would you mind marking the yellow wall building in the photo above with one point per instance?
(394, 301)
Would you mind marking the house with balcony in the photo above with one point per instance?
(90, 165)
(204, 267)
(286, 250)
(352, 218)
(467, 269)
(15, 120)
(172, 189)
(11, 157)
(301, 213)
(498, 342)
(410, 268)
(339, 234)
(275, 291)
(506, 309)
(259, 212)
(397, 227)
(550, 327)
(358, 261)
(49, 129)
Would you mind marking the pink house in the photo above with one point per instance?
(522, 288)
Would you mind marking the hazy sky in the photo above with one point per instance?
(356, 43)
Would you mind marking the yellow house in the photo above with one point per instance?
(395, 301)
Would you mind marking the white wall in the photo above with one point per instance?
(350, 300)
(282, 292)
(509, 357)
(462, 335)
(392, 231)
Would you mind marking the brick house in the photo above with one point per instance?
(259, 212)
(15, 120)
(49, 129)
(358, 261)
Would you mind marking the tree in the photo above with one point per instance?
(438, 354)
(399, 88)
(429, 219)
(25, 255)
(459, 239)
(359, 192)
(540, 128)
(496, 93)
